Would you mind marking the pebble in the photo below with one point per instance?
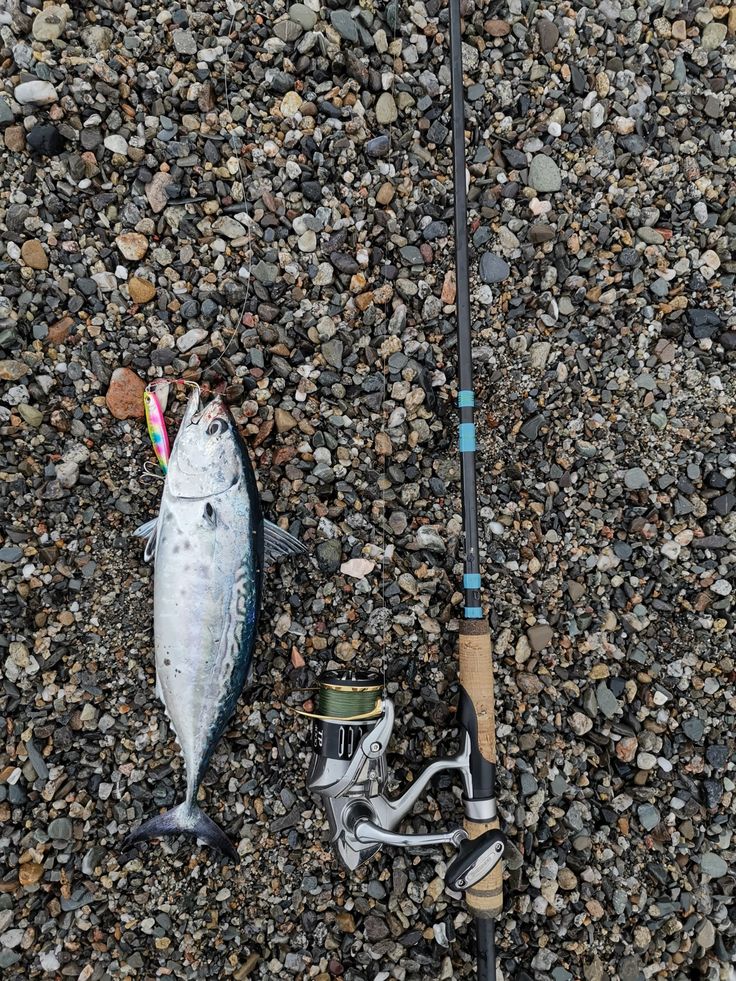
(549, 34)
(36, 92)
(45, 140)
(713, 865)
(636, 479)
(132, 245)
(540, 636)
(49, 23)
(386, 111)
(141, 290)
(544, 174)
(156, 191)
(713, 36)
(125, 394)
(34, 255)
(493, 269)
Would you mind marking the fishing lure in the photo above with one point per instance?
(157, 427)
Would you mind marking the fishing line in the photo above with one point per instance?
(384, 427)
(236, 9)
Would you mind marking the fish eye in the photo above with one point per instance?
(216, 427)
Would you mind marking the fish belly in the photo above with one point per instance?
(207, 587)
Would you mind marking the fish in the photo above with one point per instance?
(157, 428)
(210, 543)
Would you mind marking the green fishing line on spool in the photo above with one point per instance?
(348, 700)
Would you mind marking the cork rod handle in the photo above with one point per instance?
(485, 899)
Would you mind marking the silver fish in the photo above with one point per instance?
(211, 544)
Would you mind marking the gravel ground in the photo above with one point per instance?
(258, 197)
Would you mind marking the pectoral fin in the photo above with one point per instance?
(148, 530)
(278, 543)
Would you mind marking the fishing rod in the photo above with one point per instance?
(354, 718)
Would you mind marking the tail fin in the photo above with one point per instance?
(186, 819)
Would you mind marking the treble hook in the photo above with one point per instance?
(152, 471)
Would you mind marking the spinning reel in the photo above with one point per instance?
(351, 731)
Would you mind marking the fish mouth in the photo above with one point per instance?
(215, 409)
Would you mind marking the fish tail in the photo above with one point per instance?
(186, 819)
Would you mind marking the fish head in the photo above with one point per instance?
(207, 456)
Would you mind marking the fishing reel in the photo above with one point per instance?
(351, 731)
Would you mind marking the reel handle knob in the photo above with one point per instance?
(476, 858)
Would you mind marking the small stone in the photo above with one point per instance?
(492, 268)
(636, 479)
(36, 93)
(580, 723)
(291, 104)
(713, 865)
(307, 242)
(379, 146)
(30, 873)
(332, 352)
(549, 34)
(191, 339)
(285, 421)
(714, 34)
(229, 227)
(49, 23)
(385, 194)
(33, 254)
(357, 568)
(344, 24)
(184, 42)
(156, 191)
(67, 473)
(540, 233)
(626, 748)
(711, 259)
(45, 140)
(60, 829)
(386, 111)
(540, 635)
(13, 370)
(567, 879)
(693, 729)
(544, 174)
(329, 556)
(607, 701)
(132, 245)
(141, 290)
(303, 15)
(31, 415)
(497, 28)
(649, 816)
(124, 397)
(116, 143)
(15, 139)
(539, 355)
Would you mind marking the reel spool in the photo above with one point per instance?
(347, 706)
